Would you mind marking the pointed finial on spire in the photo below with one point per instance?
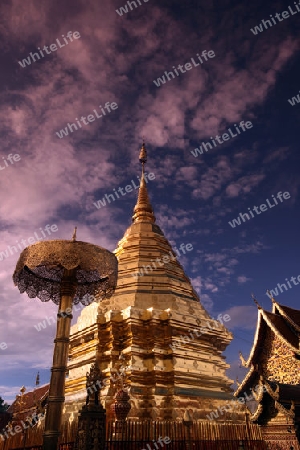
(271, 296)
(255, 301)
(74, 234)
(143, 155)
(143, 211)
(37, 380)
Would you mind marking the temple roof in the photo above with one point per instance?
(288, 392)
(286, 397)
(281, 328)
(290, 314)
(30, 401)
(283, 321)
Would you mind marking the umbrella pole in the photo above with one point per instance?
(60, 359)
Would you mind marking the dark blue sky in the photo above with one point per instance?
(116, 59)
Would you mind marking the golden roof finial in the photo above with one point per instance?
(243, 361)
(37, 380)
(143, 211)
(255, 301)
(271, 296)
(74, 234)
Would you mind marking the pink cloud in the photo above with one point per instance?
(244, 185)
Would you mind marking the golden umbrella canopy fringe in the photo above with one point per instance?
(40, 270)
(66, 272)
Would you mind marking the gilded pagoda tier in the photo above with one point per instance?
(168, 367)
(155, 319)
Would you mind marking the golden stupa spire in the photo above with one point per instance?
(143, 211)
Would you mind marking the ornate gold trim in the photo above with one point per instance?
(243, 383)
(274, 329)
(273, 394)
(287, 412)
(255, 416)
(255, 341)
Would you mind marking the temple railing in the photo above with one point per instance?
(137, 435)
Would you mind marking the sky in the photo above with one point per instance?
(223, 74)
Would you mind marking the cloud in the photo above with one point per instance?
(256, 247)
(243, 279)
(280, 154)
(224, 270)
(244, 317)
(213, 179)
(244, 185)
(222, 266)
(207, 302)
(202, 286)
(240, 89)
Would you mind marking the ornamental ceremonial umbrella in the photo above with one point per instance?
(66, 272)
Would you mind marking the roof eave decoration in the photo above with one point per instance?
(256, 338)
(243, 360)
(258, 397)
(278, 307)
(277, 333)
(254, 417)
(290, 413)
(292, 408)
(273, 394)
(244, 382)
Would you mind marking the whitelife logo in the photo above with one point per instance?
(62, 314)
(263, 207)
(225, 137)
(29, 422)
(31, 240)
(160, 441)
(274, 292)
(292, 101)
(229, 407)
(183, 339)
(165, 259)
(3, 346)
(128, 188)
(187, 66)
(53, 48)
(108, 106)
(267, 23)
(124, 9)
(11, 158)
